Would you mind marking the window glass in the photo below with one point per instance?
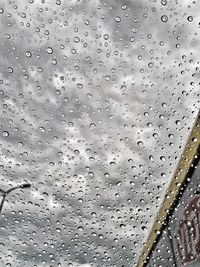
(97, 101)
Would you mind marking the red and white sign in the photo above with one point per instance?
(188, 232)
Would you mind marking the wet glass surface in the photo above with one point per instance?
(97, 101)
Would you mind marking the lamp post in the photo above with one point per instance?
(5, 193)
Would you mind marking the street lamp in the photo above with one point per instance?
(5, 193)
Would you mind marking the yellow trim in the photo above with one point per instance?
(173, 189)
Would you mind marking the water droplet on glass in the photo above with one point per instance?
(39, 69)
(106, 36)
(151, 157)
(117, 19)
(28, 54)
(150, 64)
(49, 50)
(162, 158)
(164, 2)
(190, 18)
(194, 139)
(58, 2)
(92, 126)
(164, 18)
(124, 7)
(132, 39)
(79, 85)
(70, 124)
(42, 129)
(155, 135)
(54, 61)
(178, 122)
(107, 78)
(91, 174)
(5, 133)
(10, 70)
(140, 143)
(144, 228)
(58, 92)
(76, 39)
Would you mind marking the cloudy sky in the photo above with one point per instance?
(97, 101)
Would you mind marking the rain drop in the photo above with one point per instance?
(42, 129)
(190, 18)
(49, 50)
(194, 139)
(5, 133)
(117, 19)
(164, 2)
(28, 54)
(132, 39)
(164, 18)
(79, 85)
(10, 70)
(140, 143)
(92, 126)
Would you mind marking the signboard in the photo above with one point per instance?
(174, 239)
(188, 232)
(179, 242)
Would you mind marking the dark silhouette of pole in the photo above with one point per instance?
(5, 193)
(172, 246)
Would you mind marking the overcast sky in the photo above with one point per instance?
(97, 101)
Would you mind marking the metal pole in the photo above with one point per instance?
(5, 193)
(2, 202)
(172, 246)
